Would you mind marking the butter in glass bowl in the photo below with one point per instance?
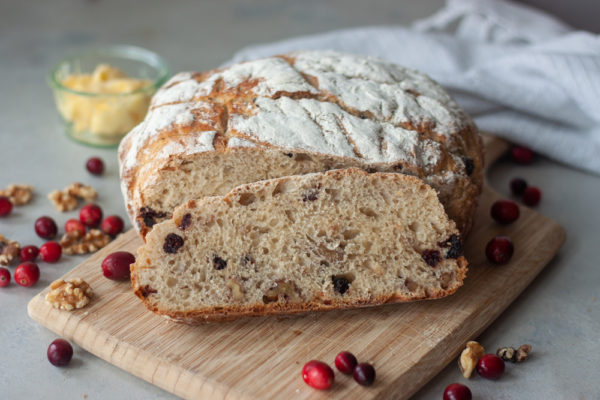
(101, 94)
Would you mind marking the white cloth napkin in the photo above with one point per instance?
(520, 73)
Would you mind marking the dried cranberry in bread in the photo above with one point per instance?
(322, 241)
(311, 111)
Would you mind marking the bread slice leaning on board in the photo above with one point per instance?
(340, 239)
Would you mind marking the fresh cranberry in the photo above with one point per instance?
(116, 265)
(45, 227)
(75, 225)
(27, 273)
(90, 215)
(29, 253)
(532, 196)
(490, 366)
(50, 252)
(345, 362)
(112, 225)
(5, 206)
(505, 211)
(4, 277)
(318, 375)
(364, 374)
(95, 166)
(518, 186)
(60, 352)
(457, 391)
(522, 155)
(499, 250)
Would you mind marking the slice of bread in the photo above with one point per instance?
(339, 239)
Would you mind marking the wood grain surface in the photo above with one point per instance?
(261, 358)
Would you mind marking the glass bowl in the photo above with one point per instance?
(102, 118)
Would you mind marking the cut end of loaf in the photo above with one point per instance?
(324, 241)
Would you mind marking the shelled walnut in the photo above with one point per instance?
(9, 249)
(74, 243)
(68, 198)
(469, 357)
(70, 295)
(19, 194)
(82, 191)
(63, 201)
(516, 356)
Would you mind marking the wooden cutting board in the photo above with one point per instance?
(262, 358)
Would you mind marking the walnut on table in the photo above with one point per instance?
(70, 295)
(74, 243)
(9, 250)
(18, 194)
(68, 198)
(469, 357)
(63, 201)
(82, 191)
(516, 356)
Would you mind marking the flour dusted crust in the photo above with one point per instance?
(303, 112)
(301, 243)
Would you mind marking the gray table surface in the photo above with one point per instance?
(558, 314)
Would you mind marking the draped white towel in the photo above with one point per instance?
(519, 72)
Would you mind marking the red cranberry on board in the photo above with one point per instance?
(505, 211)
(45, 227)
(60, 352)
(522, 154)
(457, 391)
(29, 253)
(50, 252)
(318, 375)
(95, 166)
(364, 374)
(27, 274)
(490, 366)
(75, 225)
(4, 277)
(116, 265)
(345, 362)
(90, 215)
(518, 186)
(499, 250)
(5, 206)
(112, 225)
(532, 196)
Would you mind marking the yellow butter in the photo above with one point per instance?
(107, 107)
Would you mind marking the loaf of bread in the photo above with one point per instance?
(304, 112)
(321, 241)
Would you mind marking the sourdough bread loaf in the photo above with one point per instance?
(322, 241)
(310, 111)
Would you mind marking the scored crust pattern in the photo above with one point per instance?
(372, 113)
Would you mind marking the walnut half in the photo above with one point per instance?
(74, 243)
(70, 295)
(9, 249)
(81, 191)
(63, 201)
(18, 194)
(68, 199)
(469, 357)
